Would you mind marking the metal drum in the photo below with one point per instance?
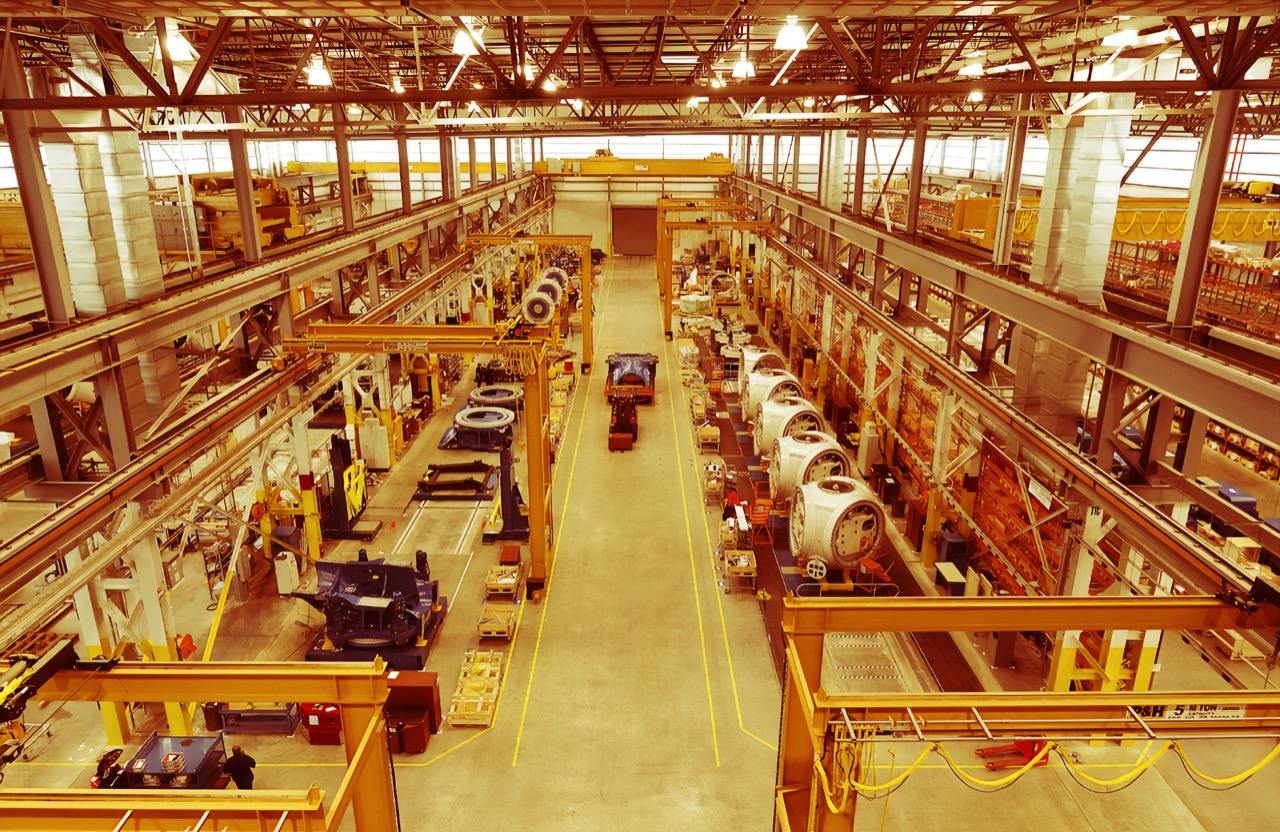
(835, 523)
(783, 416)
(802, 458)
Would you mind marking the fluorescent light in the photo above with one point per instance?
(975, 96)
(1121, 39)
(791, 38)
(679, 59)
(397, 86)
(743, 68)
(317, 73)
(973, 70)
(463, 45)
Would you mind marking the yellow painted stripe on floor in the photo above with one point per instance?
(555, 549)
(693, 573)
(724, 627)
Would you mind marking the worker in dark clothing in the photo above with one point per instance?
(240, 766)
(731, 502)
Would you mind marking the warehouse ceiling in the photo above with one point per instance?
(649, 67)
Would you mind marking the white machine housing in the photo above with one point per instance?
(754, 358)
(765, 384)
(783, 416)
(835, 523)
(802, 458)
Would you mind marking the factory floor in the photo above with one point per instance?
(638, 695)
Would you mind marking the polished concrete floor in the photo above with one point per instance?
(639, 694)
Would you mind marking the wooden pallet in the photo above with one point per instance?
(483, 663)
(497, 620)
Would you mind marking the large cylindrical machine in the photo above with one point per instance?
(496, 395)
(803, 458)
(765, 384)
(783, 416)
(835, 523)
(754, 358)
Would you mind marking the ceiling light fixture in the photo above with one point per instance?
(695, 102)
(550, 84)
(317, 73)
(476, 85)
(717, 82)
(354, 110)
(791, 38)
(575, 103)
(975, 96)
(679, 59)
(1121, 39)
(473, 107)
(840, 99)
(973, 70)
(175, 45)
(809, 102)
(397, 86)
(464, 45)
(744, 68)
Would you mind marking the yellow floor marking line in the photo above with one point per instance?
(724, 627)
(693, 575)
(555, 549)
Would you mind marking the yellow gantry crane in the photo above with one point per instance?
(715, 213)
(524, 349)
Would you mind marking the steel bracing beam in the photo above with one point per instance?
(55, 361)
(1228, 393)
(807, 616)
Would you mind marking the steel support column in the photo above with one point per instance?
(342, 150)
(37, 201)
(916, 183)
(1002, 252)
(1206, 185)
(242, 177)
(449, 173)
(860, 170)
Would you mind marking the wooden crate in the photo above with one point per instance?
(497, 620)
(487, 663)
(504, 580)
(472, 711)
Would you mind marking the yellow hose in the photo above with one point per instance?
(1234, 779)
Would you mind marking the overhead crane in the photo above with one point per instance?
(816, 724)
(360, 691)
(667, 228)
(582, 242)
(527, 348)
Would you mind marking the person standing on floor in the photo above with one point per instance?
(731, 502)
(240, 766)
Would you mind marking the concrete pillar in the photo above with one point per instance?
(158, 618)
(835, 147)
(79, 190)
(47, 247)
(1206, 185)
